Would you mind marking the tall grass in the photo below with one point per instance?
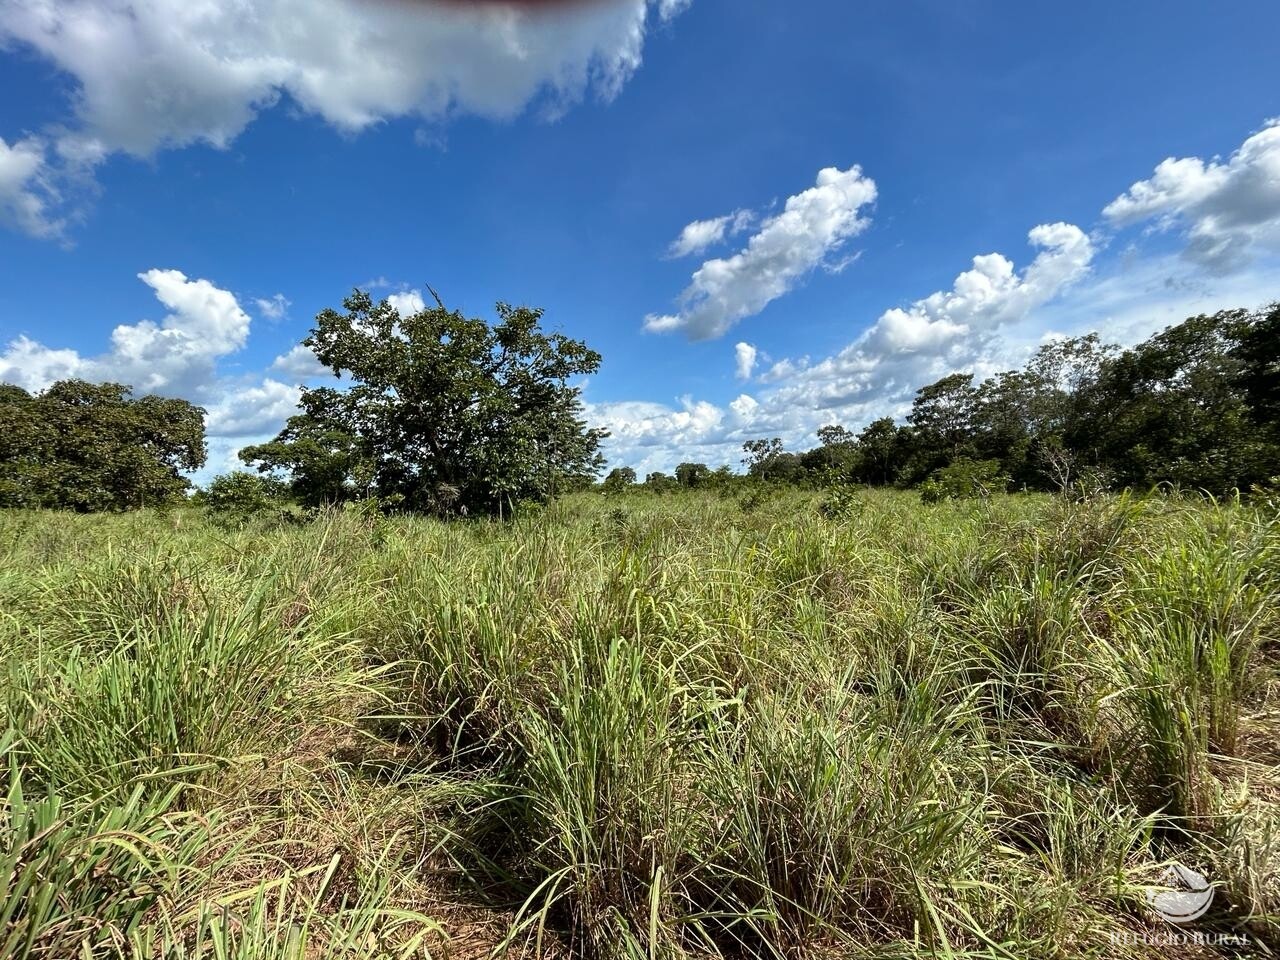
(640, 727)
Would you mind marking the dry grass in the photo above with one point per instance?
(640, 728)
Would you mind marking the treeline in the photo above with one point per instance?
(437, 413)
(445, 414)
(1197, 405)
(93, 446)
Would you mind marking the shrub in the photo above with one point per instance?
(964, 480)
(239, 497)
(841, 503)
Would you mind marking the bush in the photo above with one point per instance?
(964, 480)
(841, 503)
(239, 497)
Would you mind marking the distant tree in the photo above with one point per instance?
(1020, 417)
(692, 475)
(942, 425)
(834, 435)
(723, 477)
(1258, 353)
(93, 446)
(443, 412)
(1173, 409)
(761, 456)
(1197, 404)
(324, 462)
(659, 482)
(835, 459)
(619, 479)
(881, 451)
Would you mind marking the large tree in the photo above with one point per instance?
(86, 446)
(1177, 407)
(442, 412)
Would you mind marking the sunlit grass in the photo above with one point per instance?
(638, 727)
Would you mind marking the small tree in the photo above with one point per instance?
(760, 456)
(659, 482)
(444, 414)
(237, 497)
(692, 475)
(964, 480)
(619, 479)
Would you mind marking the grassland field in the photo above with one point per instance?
(643, 727)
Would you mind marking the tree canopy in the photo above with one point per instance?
(443, 413)
(1197, 404)
(85, 446)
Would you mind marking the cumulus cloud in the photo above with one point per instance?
(875, 375)
(175, 356)
(167, 73)
(300, 363)
(34, 366)
(407, 303)
(26, 197)
(990, 295)
(813, 225)
(274, 308)
(647, 435)
(701, 234)
(252, 410)
(745, 355)
(1226, 209)
(944, 331)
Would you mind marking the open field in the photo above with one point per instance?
(641, 727)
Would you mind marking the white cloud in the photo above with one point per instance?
(945, 331)
(654, 436)
(988, 296)
(745, 356)
(224, 456)
(701, 234)
(34, 366)
(274, 308)
(1227, 210)
(407, 303)
(875, 375)
(253, 410)
(167, 73)
(667, 9)
(176, 356)
(300, 363)
(813, 225)
(26, 196)
(745, 407)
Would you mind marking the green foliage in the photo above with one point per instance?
(1196, 406)
(619, 480)
(841, 502)
(238, 497)
(78, 878)
(659, 482)
(691, 476)
(86, 447)
(1172, 409)
(964, 479)
(444, 413)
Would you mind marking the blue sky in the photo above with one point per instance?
(183, 186)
